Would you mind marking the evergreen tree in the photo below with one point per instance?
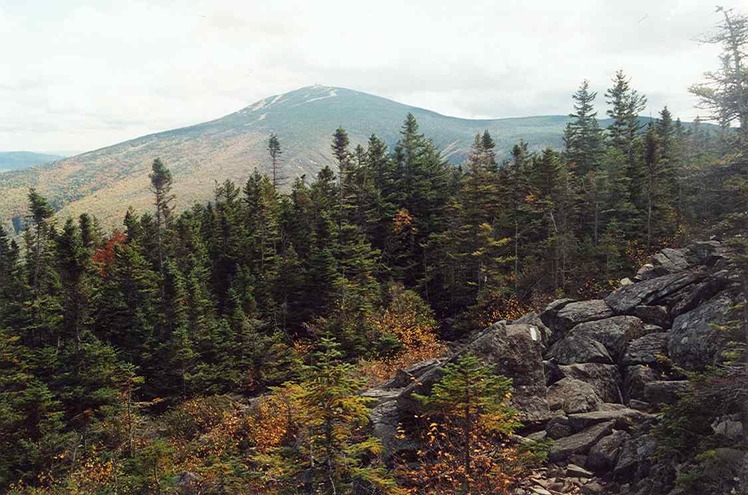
(275, 151)
(583, 138)
(625, 106)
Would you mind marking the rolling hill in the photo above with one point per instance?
(108, 180)
(15, 160)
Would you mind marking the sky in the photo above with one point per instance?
(80, 75)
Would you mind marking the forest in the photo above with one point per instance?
(230, 340)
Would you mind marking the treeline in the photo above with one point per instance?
(234, 295)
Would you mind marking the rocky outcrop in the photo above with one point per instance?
(591, 376)
(696, 340)
(572, 396)
(614, 333)
(648, 350)
(579, 443)
(605, 379)
(579, 349)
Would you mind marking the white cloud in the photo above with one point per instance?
(80, 75)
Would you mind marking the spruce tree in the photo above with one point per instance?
(583, 137)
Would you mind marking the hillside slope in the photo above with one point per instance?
(107, 180)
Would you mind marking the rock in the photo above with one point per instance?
(623, 419)
(593, 488)
(549, 314)
(604, 378)
(625, 281)
(578, 459)
(538, 436)
(635, 379)
(649, 292)
(578, 472)
(552, 373)
(509, 350)
(729, 427)
(380, 395)
(573, 396)
(653, 315)
(706, 253)
(558, 427)
(639, 405)
(694, 341)
(604, 454)
(406, 376)
(539, 490)
(690, 297)
(385, 419)
(579, 443)
(579, 349)
(614, 333)
(534, 319)
(648, 328)
(665, 392)
(406, 401)
(670, 261)
(646, 272)
(579, 312)
(514, 353)
(635, 458)
(646, 350)
(188, 483)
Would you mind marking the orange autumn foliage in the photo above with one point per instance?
(412, 322)
(104, 256)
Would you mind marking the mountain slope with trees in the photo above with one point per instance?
(233, 146)
(224, 347)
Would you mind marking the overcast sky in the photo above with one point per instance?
(78, 75)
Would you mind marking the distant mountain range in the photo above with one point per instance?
(108, 180)
(15, 160)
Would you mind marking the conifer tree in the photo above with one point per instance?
(583, 137)
(161, 183)
(625, 106)
(467, 411)
(275, 151)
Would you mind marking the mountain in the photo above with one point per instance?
(15, 160)
(108, 180)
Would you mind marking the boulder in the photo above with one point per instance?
(579, 443)
(405, 377)
(385, 419)
(636, 378)
(548, 315)
(650, 292)
(635, 458)
(652, 315)
(694, 341)
(665, 392)
(579, 349)
(670, 261)
(512, 351)
(533, 318)
(706, 253)
(729, 427)
(690, 297)
(646, 350)
(604, 454)
(579, 312)
(558, 427)
(573, 396)
(614, 333)
(646, 272)
(623, 419)
(189, 483)
(604, 378)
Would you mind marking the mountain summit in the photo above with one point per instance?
(109, 179)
